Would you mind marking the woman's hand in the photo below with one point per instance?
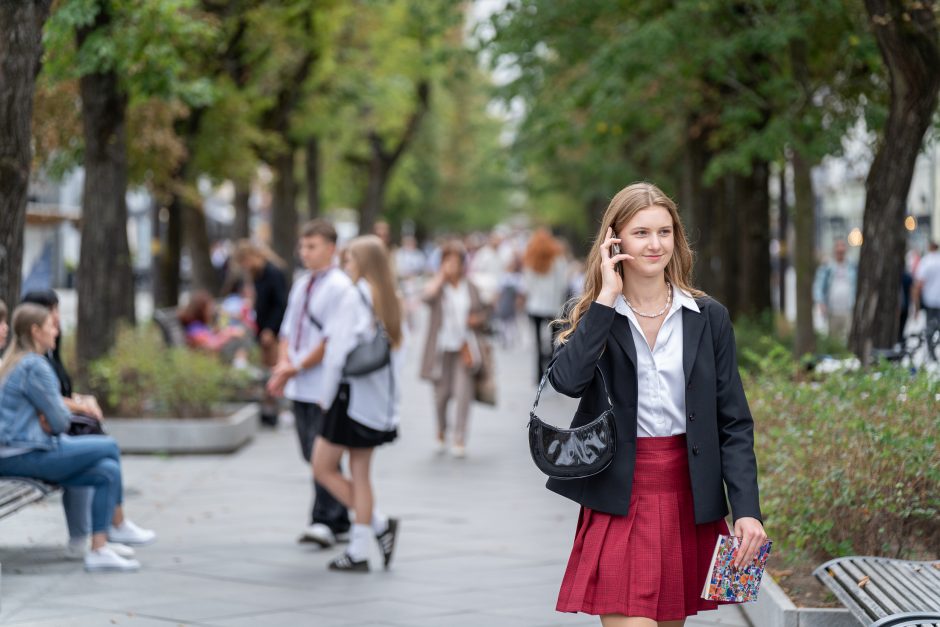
(751, 533)
(44, 424)
(611, 280)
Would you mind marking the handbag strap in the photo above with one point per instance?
(378, 322)
(548, 371)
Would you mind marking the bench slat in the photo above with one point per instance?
(929, 593)
(25, 499)
(18, 492)
(855, 598)
(874, 588)
(901, 589)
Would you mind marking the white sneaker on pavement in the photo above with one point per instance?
(105, 559)
(129, 533)
(77, 548)
(318, 533)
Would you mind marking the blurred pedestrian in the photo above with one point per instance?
(452, 353)
(510, 296)
(363, 410)
(927, 292)
(270, 299)
(649, 522)
(546, 286)
(834, 291)
(313, 309)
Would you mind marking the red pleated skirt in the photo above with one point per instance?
(653, 561)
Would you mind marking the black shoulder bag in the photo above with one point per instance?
(572, 453)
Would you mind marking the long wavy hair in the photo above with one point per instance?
(25, 317)
(626, 204)
(372, 261)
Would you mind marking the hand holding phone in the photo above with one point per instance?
(614, 251)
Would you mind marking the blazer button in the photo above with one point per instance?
(690, 385)
(692, 416)
(695, 449)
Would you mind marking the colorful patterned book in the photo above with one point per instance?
(725, 583)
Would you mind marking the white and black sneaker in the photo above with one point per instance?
(387, 539)
(346, 563)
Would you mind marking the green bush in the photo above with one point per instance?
(142, 377)
(848, 462)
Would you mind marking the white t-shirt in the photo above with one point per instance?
(928, 271)
(303, 335)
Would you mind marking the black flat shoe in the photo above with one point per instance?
(347, 564)
(387, 540)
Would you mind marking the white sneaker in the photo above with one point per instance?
(318, 533)
(129, 533)
(122, 550)
(105, 559)
(440, 446)
(458, 451)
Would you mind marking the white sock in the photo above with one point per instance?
(359, 541)
(379, 521)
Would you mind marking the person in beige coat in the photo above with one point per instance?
(452, 349)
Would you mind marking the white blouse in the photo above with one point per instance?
(456, 303)
(660, 377)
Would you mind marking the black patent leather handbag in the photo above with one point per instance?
(572, 453)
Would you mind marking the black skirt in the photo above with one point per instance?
(340, 429)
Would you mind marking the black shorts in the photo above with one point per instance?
(340, 429)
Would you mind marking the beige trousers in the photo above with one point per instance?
(455, 382)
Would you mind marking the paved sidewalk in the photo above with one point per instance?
(482, 542)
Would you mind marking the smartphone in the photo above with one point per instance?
(614, 251)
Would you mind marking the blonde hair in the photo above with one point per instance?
(25, 317)
(627, 203)
(373, 264)
(245, 248)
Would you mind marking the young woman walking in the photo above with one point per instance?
(649, 522)
(363, 410)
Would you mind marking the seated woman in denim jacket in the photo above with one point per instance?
(32, 421)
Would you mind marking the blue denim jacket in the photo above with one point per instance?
(30, 389)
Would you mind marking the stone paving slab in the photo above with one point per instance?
(482, 541)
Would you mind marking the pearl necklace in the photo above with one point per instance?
(661, 311)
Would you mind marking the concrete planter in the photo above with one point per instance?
(773, 608)
(186, 435)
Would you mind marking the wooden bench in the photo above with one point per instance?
(173, 332)
(17, 493)
(883, 592)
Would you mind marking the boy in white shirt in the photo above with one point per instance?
(927, 292)
(310, 313)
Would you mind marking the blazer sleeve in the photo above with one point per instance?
(350, 321)
(735, 427)
(574, 361)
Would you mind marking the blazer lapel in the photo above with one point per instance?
(623, 335)
(692, 326)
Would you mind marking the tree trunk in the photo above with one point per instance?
(783, 231)
(373, 204)
(105, 279)
(241, 229)
(284, 219)
(196, 239)
(20, 50)
(907, 35)
(750, 259)
(313, 177)
(699, 204)
(804, 254)
(171, 248)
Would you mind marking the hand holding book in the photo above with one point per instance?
(727, 582)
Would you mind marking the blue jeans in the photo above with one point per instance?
(77, 505)
(88, 461)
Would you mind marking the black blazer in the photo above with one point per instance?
(719, 427)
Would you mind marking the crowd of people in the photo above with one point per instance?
(359, 298)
